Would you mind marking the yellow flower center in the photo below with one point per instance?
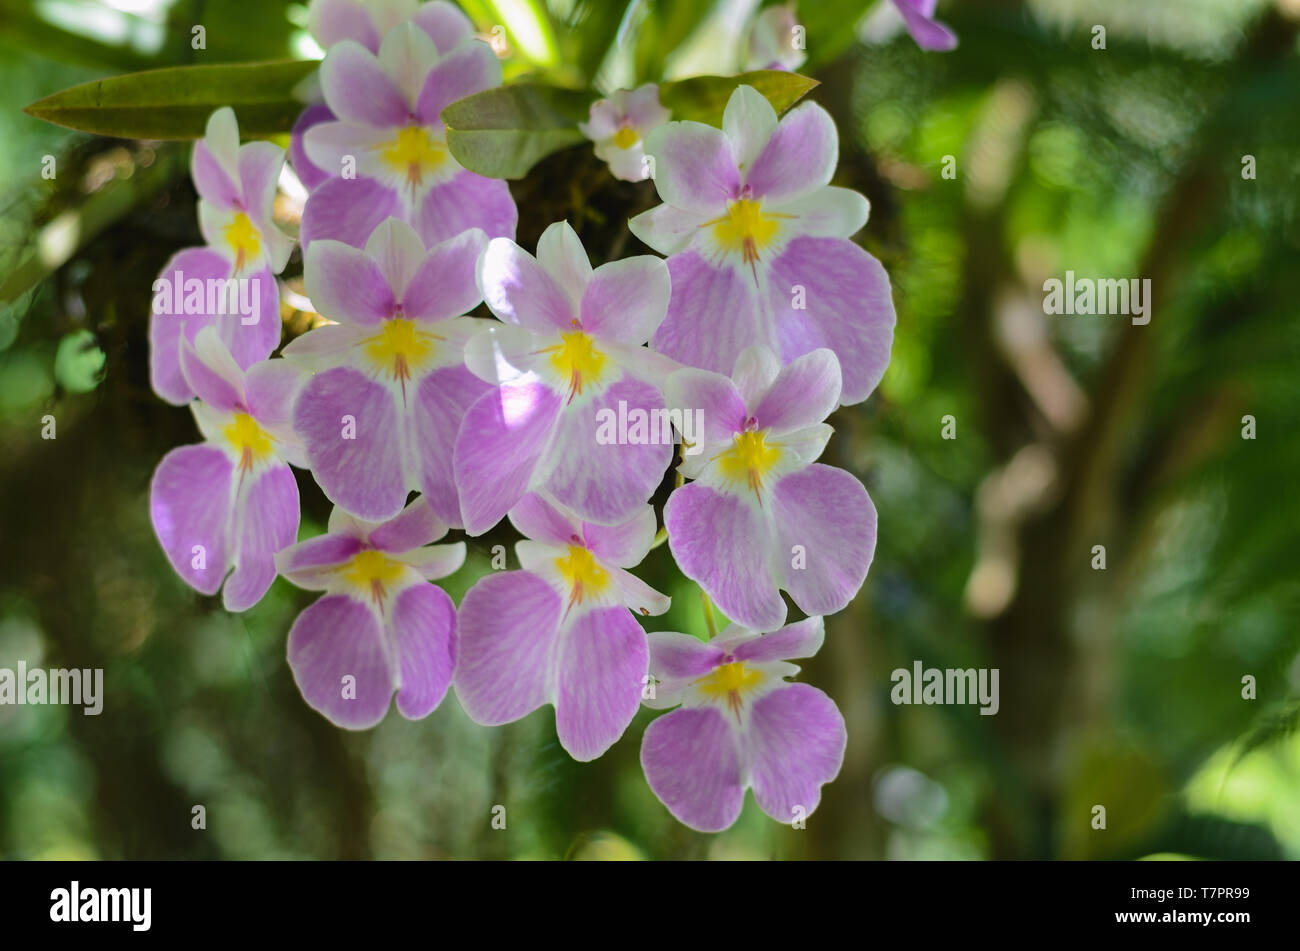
(582, 573)
(250, 441)
(243, 239)
(413, 153)
(730, 681)
(577, 360)
(400, 348)
(749, 459)
(626, 137)
(745, 229)
(373, 572)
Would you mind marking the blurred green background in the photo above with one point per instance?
(1120, 687)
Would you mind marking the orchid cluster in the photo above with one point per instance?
(758, 314)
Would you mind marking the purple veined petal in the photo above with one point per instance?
(829, 212)
(694, 167)
(601, 667)
(748, 122)
(799, 158)
(804, 393)
(467, 201)
(508, 626)
(722, 542)
(498, 447)
(627, 300)
(847, 308)
(435, 561)
(251, 343)
(398, 251)
(801, 639)
(471, 67)
(605, 483)
(309, 173)
(692, 765)
(336, 653)
(691, 333)
(259, 174)
(929, 34)
(625, 544)
(637, 596)
(166, 328)
(211, 371)
(441, 403)
(347, 210)
(313, 564)
(346, 284)
(330, 22)
(796, 740)
(353, 149)
(266, 521)
(407, 55)
(270, 390)
(519, 292)
(423, 627)
(414, 526)
(349, 426)
(666, 229)
(536, 518)
(716, 398)
(221, 139)
(644, 111)
(561, 255)
(357, 88)
(754, 372)
(444, 284)
(211, 181)
(676, 656)
(189, 505)
(829, 515)
(326, 346)
(444, 23)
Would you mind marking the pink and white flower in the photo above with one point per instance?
(619, 125)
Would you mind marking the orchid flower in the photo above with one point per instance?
(232, 501)
(752, 226)
(388, 151)
(918, 15)
(380, 416)
(619, 124)
(740, 725)
(762, 514)
(561, 630)
(568, 349)
(380, 627)
(236, 187)
(771, 40)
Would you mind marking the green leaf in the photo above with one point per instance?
(502, 133)
(175, 103)
(703, 98)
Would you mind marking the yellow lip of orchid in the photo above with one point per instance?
(730, 682)
(249, 440)
(413, 153)
(577, 360)
(374, 573)
(626, 137)
(401, 348)
(244, 240)
(582, 573)
(749, 459)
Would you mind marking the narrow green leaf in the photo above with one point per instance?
(174, 103)
(703, 98)
(502, 133)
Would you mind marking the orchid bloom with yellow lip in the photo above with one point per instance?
(739, 725)
(380, 416)
(619, 124)
(237, 187)
(762, 514)
(750, 217)
(561, 631)
(569, 346)
(231, 502)
(385, 152)
(380, 628)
